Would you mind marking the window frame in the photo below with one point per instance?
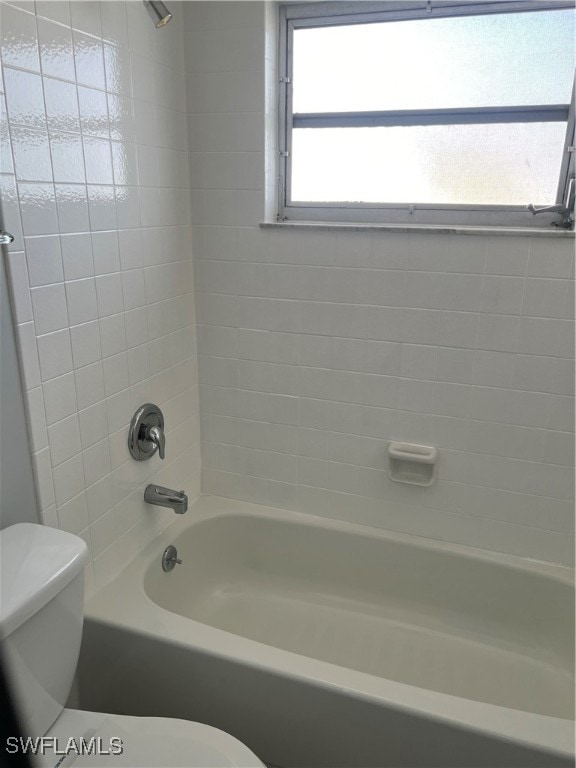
(307, 15)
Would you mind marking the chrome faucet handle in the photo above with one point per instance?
(156, 436)
(146, 434)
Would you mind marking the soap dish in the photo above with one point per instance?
(412, 464)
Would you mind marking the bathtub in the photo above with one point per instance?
(321, 643)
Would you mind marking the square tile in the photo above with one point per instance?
(109, 292)
(98, 160)
(28, 355)
(44, 258)
(56, 51)
(56, 10)
(31, 154)
(96, 462)
(49, 305)
(89, 385)
(89, 60)
(61, 105)
(68, 480)
(102, 207)
(93, 424)
(19, 38)
(85, 16)
(81, 298)
(38, 209)
(105, 251)
(72, 207)
(55, 353)
(93, 112)
(60, 397)
(77, 256)
(113, 334)
(73, 514)
(67, 158)
(24, 97)
(19, 287)
(86, 346)
(64, 437)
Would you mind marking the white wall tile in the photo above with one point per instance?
(68, 480)
(86, 17)
(97, 160)
(64, 437)
(44, 258)
(67, 158)
(71, 304)
(102, 207)
(24, 98)
(19, 39)
(49, 305)
(96, 462)
(44, 479)
(73, 515)
(544, 298)
(72, 207)
(454, 317)
(38, 209)
(474, 326)
(61, 105)
(109, 293)
(89, 60)
(28, 355)
(81, 299)
(56, 51)
(19, 287)
(55, 353)
(93, 424)
(31, 152)
(56, 10)
(89, 385)
(77, 256)
(36, 418)
(86, 347)
(115, 373)
(60, 397)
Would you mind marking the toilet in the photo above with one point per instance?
(41, 617)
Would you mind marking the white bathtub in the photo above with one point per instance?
(320, 643)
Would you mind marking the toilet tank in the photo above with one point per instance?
(41, 615)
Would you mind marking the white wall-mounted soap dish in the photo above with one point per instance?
(412, 464)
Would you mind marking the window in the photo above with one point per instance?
(442, 112)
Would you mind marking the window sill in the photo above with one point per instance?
(428, 229)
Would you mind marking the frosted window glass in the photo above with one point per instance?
(470, 61)
(502, 164)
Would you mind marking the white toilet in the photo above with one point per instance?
(41, 616)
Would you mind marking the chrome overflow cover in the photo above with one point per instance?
(170, 558)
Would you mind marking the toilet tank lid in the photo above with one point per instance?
(36, 563)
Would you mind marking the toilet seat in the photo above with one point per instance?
(148, 742)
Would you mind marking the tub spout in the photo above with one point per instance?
(166, 497)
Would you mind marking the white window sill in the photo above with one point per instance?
(430, 229)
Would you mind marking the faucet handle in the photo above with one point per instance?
(146, 433)
(156, 436)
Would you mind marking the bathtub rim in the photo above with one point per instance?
(124, 603)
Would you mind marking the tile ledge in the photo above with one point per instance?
(419, 228)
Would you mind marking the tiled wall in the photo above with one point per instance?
(318, 348)
(95, 188)
(315, 348)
